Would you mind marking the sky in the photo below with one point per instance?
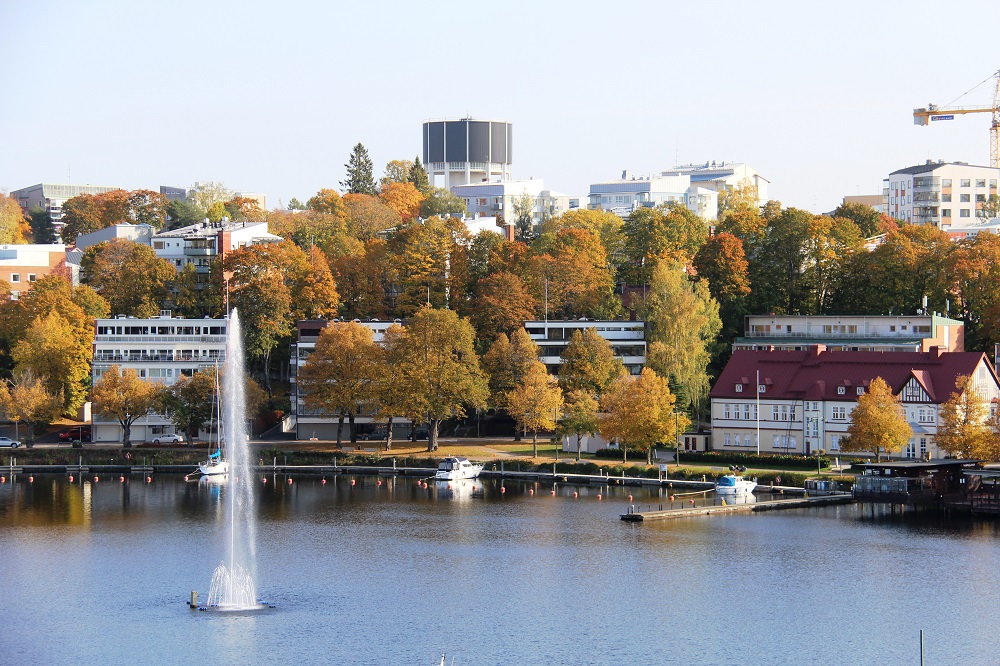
(271, 96)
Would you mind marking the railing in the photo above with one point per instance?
(152, 338)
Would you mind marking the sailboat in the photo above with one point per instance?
(216, 463)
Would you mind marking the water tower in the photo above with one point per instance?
(457, 152)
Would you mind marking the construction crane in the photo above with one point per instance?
(934, 113)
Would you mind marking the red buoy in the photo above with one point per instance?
(3, 479)
(71, 478)
(575, 494)
(122, 479)
(692, 502)
(353, 482)
(31, 479)
(96, 479)
(502, 490)
(629, 498)
(323, 482)
(671, 498)
(531, 491)
(149, 479)
(553, 491)
(289, 482)
(598, 495)
(379, 482)
(263, 479)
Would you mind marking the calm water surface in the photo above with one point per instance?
(398, 574)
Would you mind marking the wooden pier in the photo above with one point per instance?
(772, 505)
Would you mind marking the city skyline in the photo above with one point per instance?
(272, 100)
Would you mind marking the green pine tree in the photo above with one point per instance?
(360, 177)
(418, 176)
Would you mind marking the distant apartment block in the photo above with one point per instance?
(918, 333)
(937, 193)
(174, 193)
(499, 198)
(199, 244)
(625, 195)
(50, 197)
(161, 349)
(138, 233)
(627, 338)
(22, 265)
(457, 152)
(876, 201)
(723, 176)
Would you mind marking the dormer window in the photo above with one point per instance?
(841, 390)
(739, 388)
(861, 390)
(761, 388)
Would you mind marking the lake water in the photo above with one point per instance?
(399, 574)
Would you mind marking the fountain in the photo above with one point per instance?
(233, 583)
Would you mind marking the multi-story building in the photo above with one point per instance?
(630, 192)
(801, 401)
(501, 197)
(937, 192)
(627, 338)
(463, 151)
(21, 265)
(161, 349)
(723, 176)
(51, 196)
(138, 233)
(199, 244)
(857, 333)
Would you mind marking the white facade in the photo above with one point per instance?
(499, 197)
(939, 193)
(198, 244)
(51, 196)
(852, 333)
(161, 349)
(138, 233)
(623, 196)
(723, 176)
(627, 338)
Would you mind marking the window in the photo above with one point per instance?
(15, 295)
(725, 439)
(835, 443)
(965, 182)
(923, 447)
(739, 388)
(861, 390)
(746, 413)
(775, 412)
(761, 388)
(964, 198)
(746, 441)
(157, 245)
(777, 441)
(840, 413)
(946, 182)
(980, 182)
(946, 198)
(981, 197)
(725, 411)
(32, 277)
(946, 212)
(841, 390)
(964, 212)
(993, 184)
(15, 277)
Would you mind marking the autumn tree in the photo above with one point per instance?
(878, 422)
(244, 209)
(404, 198)
(341, 375)
(15, 228)
(147, 207)
(366, 281)
(431, 261)
(579, 417)
(964, 426)
(589, 364)
(368, 216)
(129, 276)
(397, 171)
(506, 364)
(974, 266)
(26, 399)
(604, 224)
(122, 396)
(503, 304)
(204, 195)
(57, 355)
(393, 395)
(327, 201)
(536, 402)
(671, 233)
(418, 176)
(85, 213)
(441, 367)
(639, 411)
(523, 208)
(191, 402)
(867, 218)
(183, 213)
(580, 282)
(360, 178)
(317, 291)
(442, 202)
(682, 324)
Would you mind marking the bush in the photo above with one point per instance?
(612, 453)
(725, 458)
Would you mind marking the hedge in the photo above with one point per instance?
(716, 458)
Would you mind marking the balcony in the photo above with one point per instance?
(199, 251)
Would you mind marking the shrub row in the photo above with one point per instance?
(612, 453)
(716, 458)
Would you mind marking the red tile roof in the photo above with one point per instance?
(815, 374)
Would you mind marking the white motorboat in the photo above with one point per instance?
(731, 484)
(452, 469)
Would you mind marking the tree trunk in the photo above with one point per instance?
(354, 435)
(340, 428)
(126, 434)
(388, 435)
(534, 443)
(432, 435)
(649, 456)
(579, 446)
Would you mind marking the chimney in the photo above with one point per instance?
(816, 350)
(935, 351)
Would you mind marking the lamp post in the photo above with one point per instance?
(677, 439)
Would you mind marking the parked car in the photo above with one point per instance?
(419, 433)
(172, 438)
(8, 442)
(82, 433)
(379, 433)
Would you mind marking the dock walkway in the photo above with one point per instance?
(772, 505)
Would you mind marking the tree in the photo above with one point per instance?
(682, 322)
(393, 394)
(991, 208)
(204, 195)
(580, 281)
(244, 209)
(85, 213)
(124, 397)
(878, 422)
(327, 201)
(579, 417)
(639, 411)
(295, 204)
(964, 428)
(443, 203)
(441, 367)
(403, 198)
(182, 213)
(589, 364)
(15, 228)
(418, 176)
(147, 207)
(507, 362)
(430, 257)
(867, 218)
(318, 292)
(191, 402)
(43, 232)
(27, 400)
(360, 178)
(503, 303)
(397, 171)
(56, 354)
(341, 374)
(129, 276)
(368, 217)
(604, 224)
(524, 208)
(535, 403)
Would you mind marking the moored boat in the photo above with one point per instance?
(731, 484)
(454, 468)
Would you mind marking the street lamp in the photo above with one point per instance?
(677, 439)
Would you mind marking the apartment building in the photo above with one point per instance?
(161, 349)
(22, 265)
(199, 244)
(852, 333)
(623, 196)
(939, 192)
(722, 176)
(627, 339)
(501, 197)
(50, 197)
(801, 401)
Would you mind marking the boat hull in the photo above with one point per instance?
(458, 474)
(214, 469)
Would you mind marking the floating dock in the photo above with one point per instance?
(772, 505)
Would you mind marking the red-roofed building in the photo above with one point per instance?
(806, 397)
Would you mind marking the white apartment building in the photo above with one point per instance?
(627, 338)
(801, 401)
(722, 176)
(490, 199)
(938, 192)
(852, 333)
(137, 233)
(199, 244)
(161, 349)
(623, 196)
(51, 196)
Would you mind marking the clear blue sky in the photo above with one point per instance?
(271, 96)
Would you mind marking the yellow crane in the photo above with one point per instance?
(934, 113)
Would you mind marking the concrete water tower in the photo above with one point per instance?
(458, 152)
